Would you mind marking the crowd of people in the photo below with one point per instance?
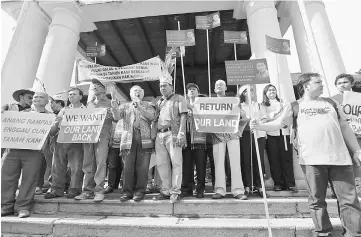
(135, 131)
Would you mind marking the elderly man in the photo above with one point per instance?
(171, 126)
(323, 133)
(96, 154)
(25, 162)
(136, 143)
(231, 141)
(195, 152)
(67, 154)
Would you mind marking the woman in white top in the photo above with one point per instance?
(248, 157)
(280, 159)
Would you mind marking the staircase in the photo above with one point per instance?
(189, 217)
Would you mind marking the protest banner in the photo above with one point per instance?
(244, 72)
(96, 51)
(26, 130)
(179, 38)
(235, 37)
(179, 51)
(279, 46)
(208, 21)
(352, 108)
(81, 125)
(149, 70)
(216, 115)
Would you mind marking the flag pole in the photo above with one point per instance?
(235, 58)
(260, 169)
(175, 72)
(209, 66)
(311, 38)
(184, 81)
(95, 58)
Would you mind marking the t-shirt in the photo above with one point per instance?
(274, 111)
(319, 134)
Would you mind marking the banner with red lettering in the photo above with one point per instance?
(81, 125)
(25, 130)
(352, 108)
(216, 115)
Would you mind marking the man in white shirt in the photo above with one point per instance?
(322, 134)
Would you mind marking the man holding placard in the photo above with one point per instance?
(24, 161)
(97, 153)
(67, 153)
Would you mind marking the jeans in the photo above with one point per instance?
(67, 154)
(13, 163)
(115, 167)
(249, 160)
(280, 160)
(95, 162)
(45, 165)
(169, 163)
(197, 156)
(219, 154)
(136, 166)
(343, 184)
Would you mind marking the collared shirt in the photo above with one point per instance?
(166, 110)
(319, 135)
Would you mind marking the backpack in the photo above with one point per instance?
(295, 109)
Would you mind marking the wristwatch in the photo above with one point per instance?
(181, 133)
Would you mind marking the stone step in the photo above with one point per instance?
(295, 207)
(104, 226)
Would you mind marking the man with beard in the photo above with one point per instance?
(136, 144)
(97, 153)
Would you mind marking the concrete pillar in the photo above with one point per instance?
(326, 43)
(23, 56)
(57, 61)
(262, 20)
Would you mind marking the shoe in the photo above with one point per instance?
(24, 214)
(260, 193)
(200, 195)
(125, 198)
(186, 194)
(148, 190)
(108, 190)
(71, 195)
(84, 196)
(217, 196)
(7, 213)
(246, 193)
(174, 198)
(241, 197)
(99, 197)
(292, 189)
(138, 198)
(51, 195)
(278, 188)
(161, 196)
(38, 191)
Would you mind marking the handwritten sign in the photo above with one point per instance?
(352, 108)
(244, 72)
(149, 70)
(179, 38)
(235, 37)
(279, 46)
(208, 21)
(25, 130)
(81, 125)
(216, 115)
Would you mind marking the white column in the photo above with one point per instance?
(262, 20)
(23, 56)
(57, 61)
(326, 43)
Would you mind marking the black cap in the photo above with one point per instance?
(96, 81)
(189, 85)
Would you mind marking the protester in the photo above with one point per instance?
(115, 162)
(67, 154)
(322, 131)
(249, 162)
(56, 105)
(280, 159)
(170, 139)
(194, 152)
(23, 162)
(221, 141)
(136, 143)
(97, 153)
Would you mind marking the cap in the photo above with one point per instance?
(189, 85)
(96, 81)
